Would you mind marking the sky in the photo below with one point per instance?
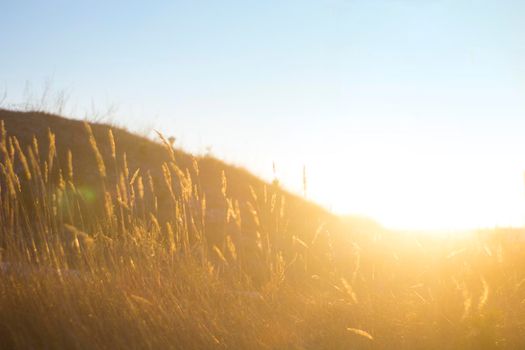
(409, 112)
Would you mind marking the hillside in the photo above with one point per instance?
(142, 154)
(224, 188)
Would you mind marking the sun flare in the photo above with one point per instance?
(425, 196)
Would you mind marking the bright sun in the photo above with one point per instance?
(424, 196)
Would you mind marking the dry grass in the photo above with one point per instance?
(133, 260)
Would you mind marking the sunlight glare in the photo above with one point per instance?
(423, 194)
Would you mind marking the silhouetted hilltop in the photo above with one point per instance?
(141, 152)
(146, 157)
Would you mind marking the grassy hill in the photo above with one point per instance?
(142, 155)
(124, 154)
(111, 240)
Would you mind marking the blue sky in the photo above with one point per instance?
(412, 112)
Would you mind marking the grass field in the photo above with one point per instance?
(102, 266)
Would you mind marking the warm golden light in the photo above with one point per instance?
(411, 192)
(278, 174)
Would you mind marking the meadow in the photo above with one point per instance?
(183, 257)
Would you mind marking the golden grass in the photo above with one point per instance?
(98, 267)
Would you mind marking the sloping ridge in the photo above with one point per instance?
(147, 155)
